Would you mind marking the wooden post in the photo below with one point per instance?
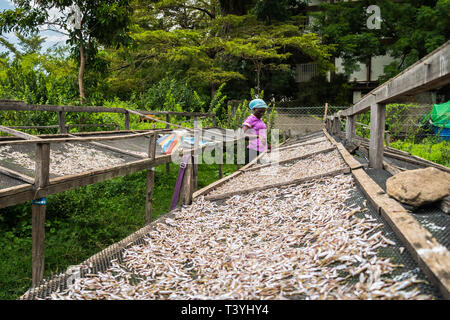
(197, 137)
(388, 139)
(350, 128)
(376, 145)
(167, 127)
(127, 121)
(220, 156)
(42, 169)
(326, 110)
(214, 120)
(150, 180)
(186, 187)
(62, 122)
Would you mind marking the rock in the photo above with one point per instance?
(419, 187)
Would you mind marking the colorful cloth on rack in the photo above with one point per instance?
(170, 142)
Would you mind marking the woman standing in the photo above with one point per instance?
(255, 128)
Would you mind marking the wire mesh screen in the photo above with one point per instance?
(303, 120)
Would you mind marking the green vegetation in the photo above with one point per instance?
(410, 132)
(429, 148)
(177, 55)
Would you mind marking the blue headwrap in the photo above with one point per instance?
(257, 103)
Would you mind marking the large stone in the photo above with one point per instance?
(419, 187)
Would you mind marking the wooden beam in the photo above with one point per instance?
(150, 180)
(19, 134)
(77, 139)
(16, 175)
(376, 145)
(216, 184)
(276, 185)
(304, 156)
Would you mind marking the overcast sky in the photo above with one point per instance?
(52, 38)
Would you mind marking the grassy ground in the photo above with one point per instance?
(81, 222)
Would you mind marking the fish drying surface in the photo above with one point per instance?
(318, 164)
(297, 151)
(69, 158)
(296, 242)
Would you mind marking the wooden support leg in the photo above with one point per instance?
(376, 146)
(41, 180)
(38, 241)
(220, 158)
(127, 121)
(350, 128)
(150, 180)
(186, 187)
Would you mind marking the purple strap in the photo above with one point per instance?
(176, 191)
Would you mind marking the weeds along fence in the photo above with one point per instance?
(404, 122)
(301, 120)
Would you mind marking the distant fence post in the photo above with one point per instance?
(38, 207)
(127, 121)
(350, 128)
(62, 122)
(376, 146)
(150, 180)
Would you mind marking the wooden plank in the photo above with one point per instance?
(216, 184)
(55, 108)
(16, 175)
(150, 180)
(276, 185)
(376, 145)
(78, 139)
(19, 134)
(308, 155)
(432, 257)
(348, 158)
(301, 144)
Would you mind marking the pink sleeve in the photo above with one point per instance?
(249, 122)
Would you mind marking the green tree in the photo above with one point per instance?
(408, 31)
(88, 25)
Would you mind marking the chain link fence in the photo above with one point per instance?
(302, 120)
(404, 122)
